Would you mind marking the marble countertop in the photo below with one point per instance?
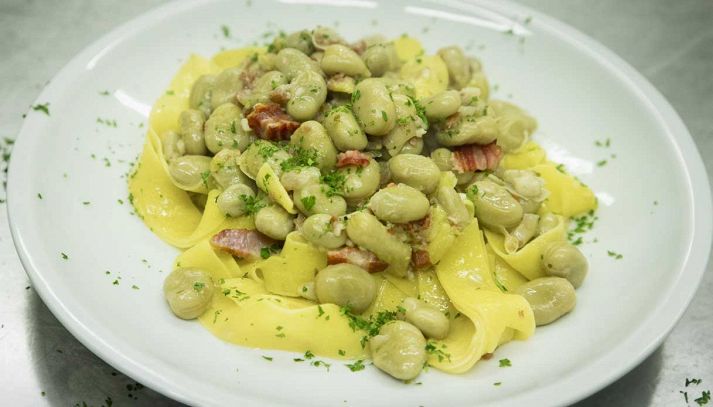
(41, 363)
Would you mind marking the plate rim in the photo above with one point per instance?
(669, 311)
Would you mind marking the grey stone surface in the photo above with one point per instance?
(671, 43)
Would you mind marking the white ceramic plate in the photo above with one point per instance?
(654, 198)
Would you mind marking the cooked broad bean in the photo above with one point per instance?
(408, 124)
(494, 205)
(469, 129)
(452, 203)
(300, 40)
(562, 259)
(360, 182)
(323, 37)
(514, 124)
(413, 146)
(547, 222)
(549, 297)
(442, 105)
(324, 230)
(366, 231)
(292, 62)
(457, 64)
(339, 58)
(188, 292)
(399, 350)
(309, 91)
(427, 318)
(233, 200)
(343, 129)
(299, 178)
(313, 199)
(526, 183)
(399, 204)
(201, 92)
(191, 173)
(381, 58)
(274, 221)
(223, 129)
(345, 285)
(225, 169)
(262, 88)
(259, 153)
(443, 158)
(192, 122)
(341, 84)
(312, 135)
(307, 291)
(415, 170)
(522, 234)
(373, 107)
(172, 146)
(226, 85)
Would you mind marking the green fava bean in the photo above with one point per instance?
(259, 153)
(408, 124)
(262, 88)
(458, 66)
(312, 135)
(172, 146)
(381, 58)
(232, 201)
(323, 37)
(442, 105)
(191, 122)
(312, 199)
(325, 231)
(360, 182)
(309, 91)
(300, 40)
(443, 158)
(339, 58)
(469, 129)
(561, 259)
(399, 204)
(188, 291)
(549, 297)
(452, 203)
(223, 129)
(299, 178)
(416, 171)
(343, 129)
(292, 62)
(274, 222)
(366, 231)
(226, 85)
(191, 173)
(201, 92)
(427, 318)
(494, 205)
(346, 285)
(399, 350)
(225, 169)
(373, 107)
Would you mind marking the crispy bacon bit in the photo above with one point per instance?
(358, 257)
(476, 157)
(420, 259)
(243, 243)
(487, 356)
(352, 157)
(270, 122)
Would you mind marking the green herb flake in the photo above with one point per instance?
(355, 96)
(39, 195)
(693, 381)
(334, 181)
(342, 352)
(704, 399)
(105, 93)
(356, 366)
(42, 107)
(384, 116)
(268, 358)
(601, 163)
(86, 203)
(198, 286)
(505, 363)
(320, 311)
(252, 204)
(432, 349)
(615, 255)
(265, 252)
(560, 168)
(309, 355)
(497, 383)
(135, 287)
(64, 256)
(308, 202)
(226, 31)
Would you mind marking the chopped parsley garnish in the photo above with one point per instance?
(704, 399)
(107, 122)
(505, 363)
(432, 349)
(497, 383)
(355, 96)
(309, 355)
(334, 181)
(341, 352)
(581, 225)
(421, 112)
(265, 252)
(318, 363)
(308, 202)
(42, 107)
(300, 157)
(225, 30)
(615, 255)
(356, 366)
(198, 286)
(252, 204)
(601, 163)
(64, 256)
(267, 149)
(384, 116)
(105, 93)
(268, 358)
(39, 195)
(560, 168)
(205, 176)
(693, 381)
(370, 326)
(605, 143)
